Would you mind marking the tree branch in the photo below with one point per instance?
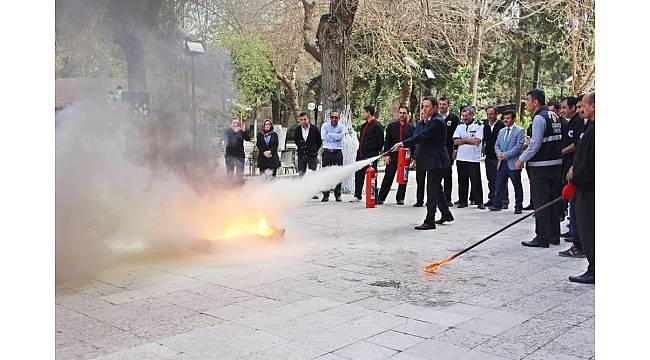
(308, 30)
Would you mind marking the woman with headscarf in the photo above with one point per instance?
(267, 144)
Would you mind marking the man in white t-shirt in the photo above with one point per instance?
(468, 136)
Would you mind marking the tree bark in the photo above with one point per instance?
(518, 82)
(292, 91)
(537, 61)
(307, 30)
(407, 85)
(477, 43)
(132, 21)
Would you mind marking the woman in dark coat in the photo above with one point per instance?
(267, 144)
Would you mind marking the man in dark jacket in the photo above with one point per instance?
(235, 157)
(434, 158)
(420, 175)
(452, 121)
(396, 132)
(490, 132)
(308, 141)
(371, 142)
(582, 176)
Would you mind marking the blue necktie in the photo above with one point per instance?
(504, 143)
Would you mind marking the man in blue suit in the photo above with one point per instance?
(508, 146)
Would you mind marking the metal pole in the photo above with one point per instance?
(194, 125)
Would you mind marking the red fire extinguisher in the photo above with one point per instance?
(403, 165)
(371, 186)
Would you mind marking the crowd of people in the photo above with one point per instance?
(556, 149)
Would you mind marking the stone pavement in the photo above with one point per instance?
(347, 283)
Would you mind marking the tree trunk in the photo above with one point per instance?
(407, 85)
(518, 82)
(537, 66)
(276, 114)
(333, 42)
(477, 43)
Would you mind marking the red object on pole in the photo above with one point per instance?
(403, 165)
(371, 186)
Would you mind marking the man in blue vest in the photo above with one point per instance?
(544, 157)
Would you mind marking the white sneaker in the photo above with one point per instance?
(355, 199)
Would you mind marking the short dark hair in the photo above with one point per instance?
(538, 95)
(443, 98)
(511, 113)
(579, 98)
(571, 101)
(370, 109)
(303, 114)
(432, 99)
(491, 107)
(403, 107)
(555, 104)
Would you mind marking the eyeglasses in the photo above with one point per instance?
(334, 117)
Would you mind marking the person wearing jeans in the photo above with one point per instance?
(234, 138)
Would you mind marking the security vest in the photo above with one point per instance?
(550, 153)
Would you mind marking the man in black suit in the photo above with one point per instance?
(371, 142)
(434, 158)
(308, 141)
(396, 132)
(452, 122)
(490, 132)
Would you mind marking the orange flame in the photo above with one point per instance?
(244, 227)
(434, 266)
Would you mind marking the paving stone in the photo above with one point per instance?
(395, 340)
(327, 341)
(149, 351)
(435, 349)
(573, 343)
(461, 337)
(420, 328)
(365, 351)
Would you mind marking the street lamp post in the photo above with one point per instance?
(194, 49)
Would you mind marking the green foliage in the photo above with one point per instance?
(255, 79)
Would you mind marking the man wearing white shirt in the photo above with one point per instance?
(468, 136)
(332, 133)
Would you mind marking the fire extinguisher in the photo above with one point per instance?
(371, 186)
(403, 165)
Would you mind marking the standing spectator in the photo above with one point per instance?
(544, 156)
(508, 146)
(308, 141)
(490, 132)
(420, 175)
(332, 134)
(582, 176)
(396, 132)
(570, 139)
(452, 122)
(235, 156)
(469, 136)
(433, 158)
(371, 141)
(267, 144)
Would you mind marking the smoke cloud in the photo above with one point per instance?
(115, 199)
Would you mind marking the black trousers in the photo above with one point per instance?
(389, 175)
(469, 171)
(359, 177)
(435, 196)
(546, 187)
(585, 212)
(447, 179)
(491, 173)
(304, 161)
(421, 180)
(331, 159)
(530, 186)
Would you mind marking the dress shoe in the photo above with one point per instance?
(338, 199)
(481, 207)
(529, 207)
(504, 206)
(494, 208)
(425, 226)
(460, 206)
(555, 241)
(567, 234)
(379, 202)
(517, 211)
(400, 202)
(445, 218)
(488, 203)
(314, 197)
(534, 243)
(572, 252)
(471, 202)
(325, 199)
(417, 204)
(457, 202)
(450, 204)
(585, 278)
